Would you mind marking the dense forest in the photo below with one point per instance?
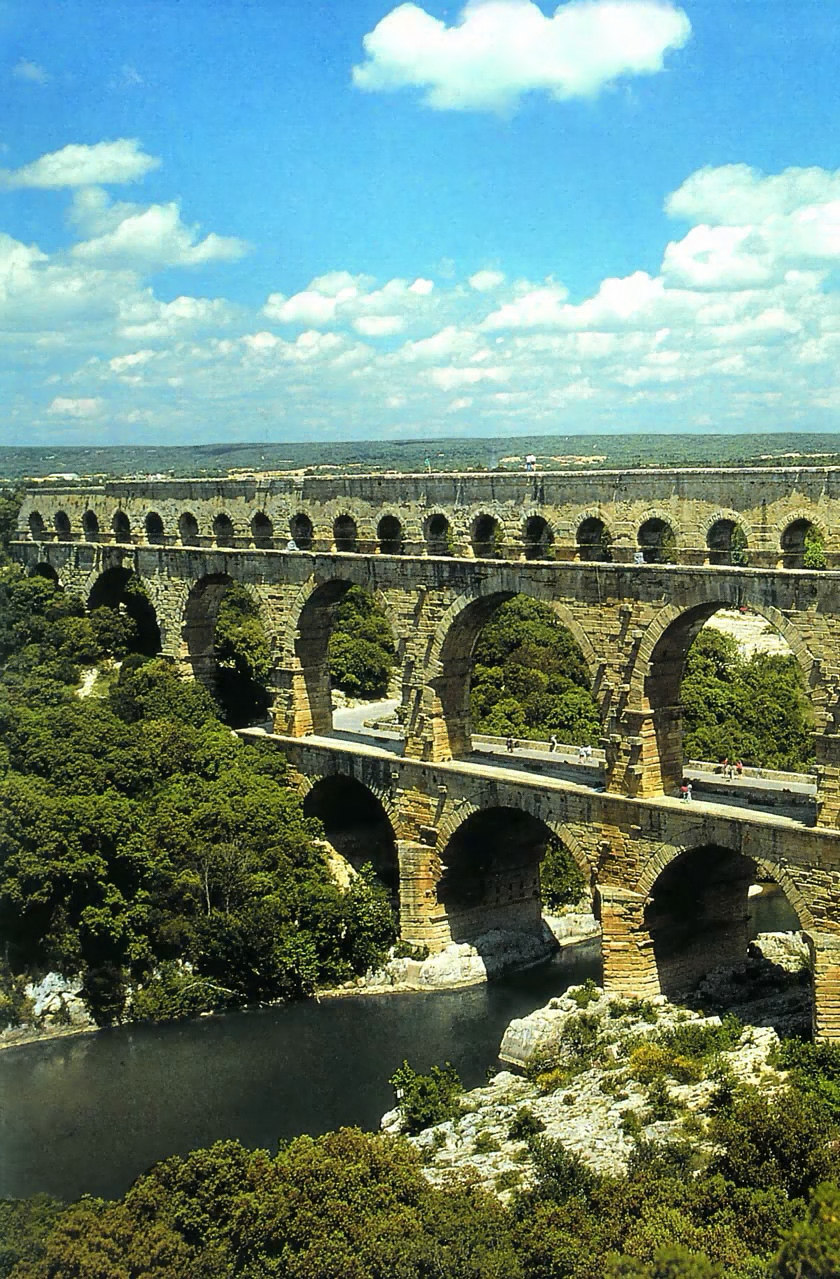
(764, 1204)
(142, 844)
(445, 454)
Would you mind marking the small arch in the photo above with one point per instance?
(389, 532)
(301, 531)
(657, 541)
(726, 542)
(223, 530)
(154, 529)
(486, 537)
(37, 528)
(90, 526)
(802, 545)
(537, 538)
(121, 527)
(438, 535)
(61, 521)
(345, 534)
(262, 531)
(357, 827)
(188, 529)
(593, 541)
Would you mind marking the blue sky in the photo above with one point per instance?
(286, 220)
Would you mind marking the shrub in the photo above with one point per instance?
(425, 1100)
(485, 1143)
(524, 1124)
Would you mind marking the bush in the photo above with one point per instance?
(425, 1100)
(524, 1124)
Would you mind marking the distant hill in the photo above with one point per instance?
(552, 452)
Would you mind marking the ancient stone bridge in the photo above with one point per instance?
(419, 544)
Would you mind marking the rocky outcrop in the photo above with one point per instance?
(54, 1006)
(600, 1075)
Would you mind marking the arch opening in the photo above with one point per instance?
(154, 529)
(657, 542)
(223, 530)
(537, 538)
(594, 541)
(121, 527)
(124, 613)
(726, 690)
(345, 534)
(724, 935)
(726, 543)
(61, 521)
(438, 535)
(486, 538)
(228, 648)
(510, 667)
(90, 526)
(45, 570)
(357, 830)
(491, 882)
(37, 528)
(389, 532)
(802, 546)
(301, 531)
(262, 531)
(188, 529)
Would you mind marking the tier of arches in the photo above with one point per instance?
(801, 541)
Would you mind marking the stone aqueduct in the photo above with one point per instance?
(441, 552)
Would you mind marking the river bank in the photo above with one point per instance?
(59, 1012)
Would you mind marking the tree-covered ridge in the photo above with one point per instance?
(750, 708)
(361, 646)
(529, 678)
(142, 844)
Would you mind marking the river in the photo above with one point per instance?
(88, 1114)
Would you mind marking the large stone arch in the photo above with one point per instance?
(439, 723)
(532, 805)
(302, 645)
(202, 599)
(654, 686)
(666, 853)
(112, 588)
(809, 515)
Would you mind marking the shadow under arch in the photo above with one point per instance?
(121, 589)
(699, 913)
(357, 826)
(656, 679)
(43, 569)
(490, 879)
(450, 659)
(201, 613)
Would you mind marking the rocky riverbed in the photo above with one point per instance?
(597, 1073)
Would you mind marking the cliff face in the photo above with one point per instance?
(601, 1073)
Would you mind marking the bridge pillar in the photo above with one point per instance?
(423, 920)
(644, 757)
(440, 729)
(301, 700)
(825, 955)
(626, 945)
(828, 779)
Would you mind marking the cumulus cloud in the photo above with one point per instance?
(146, 238)
(486, 281)
(80, 165)
(736, 194)
(499, 50)
(341, 298)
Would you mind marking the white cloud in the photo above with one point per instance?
(31, 72)
(535, 308)
(62, 406)
(500, 49)
(486, 281)
(145, 319)
(340, 298)
(378, 326)
(144, 238)
(735, 194)
(81, 165)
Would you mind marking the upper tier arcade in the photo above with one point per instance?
(765, 518)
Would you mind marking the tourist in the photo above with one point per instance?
(683, 789)
(581, 754)
(739, 768)
(552, 742)
(688, 790)
(510, 745)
